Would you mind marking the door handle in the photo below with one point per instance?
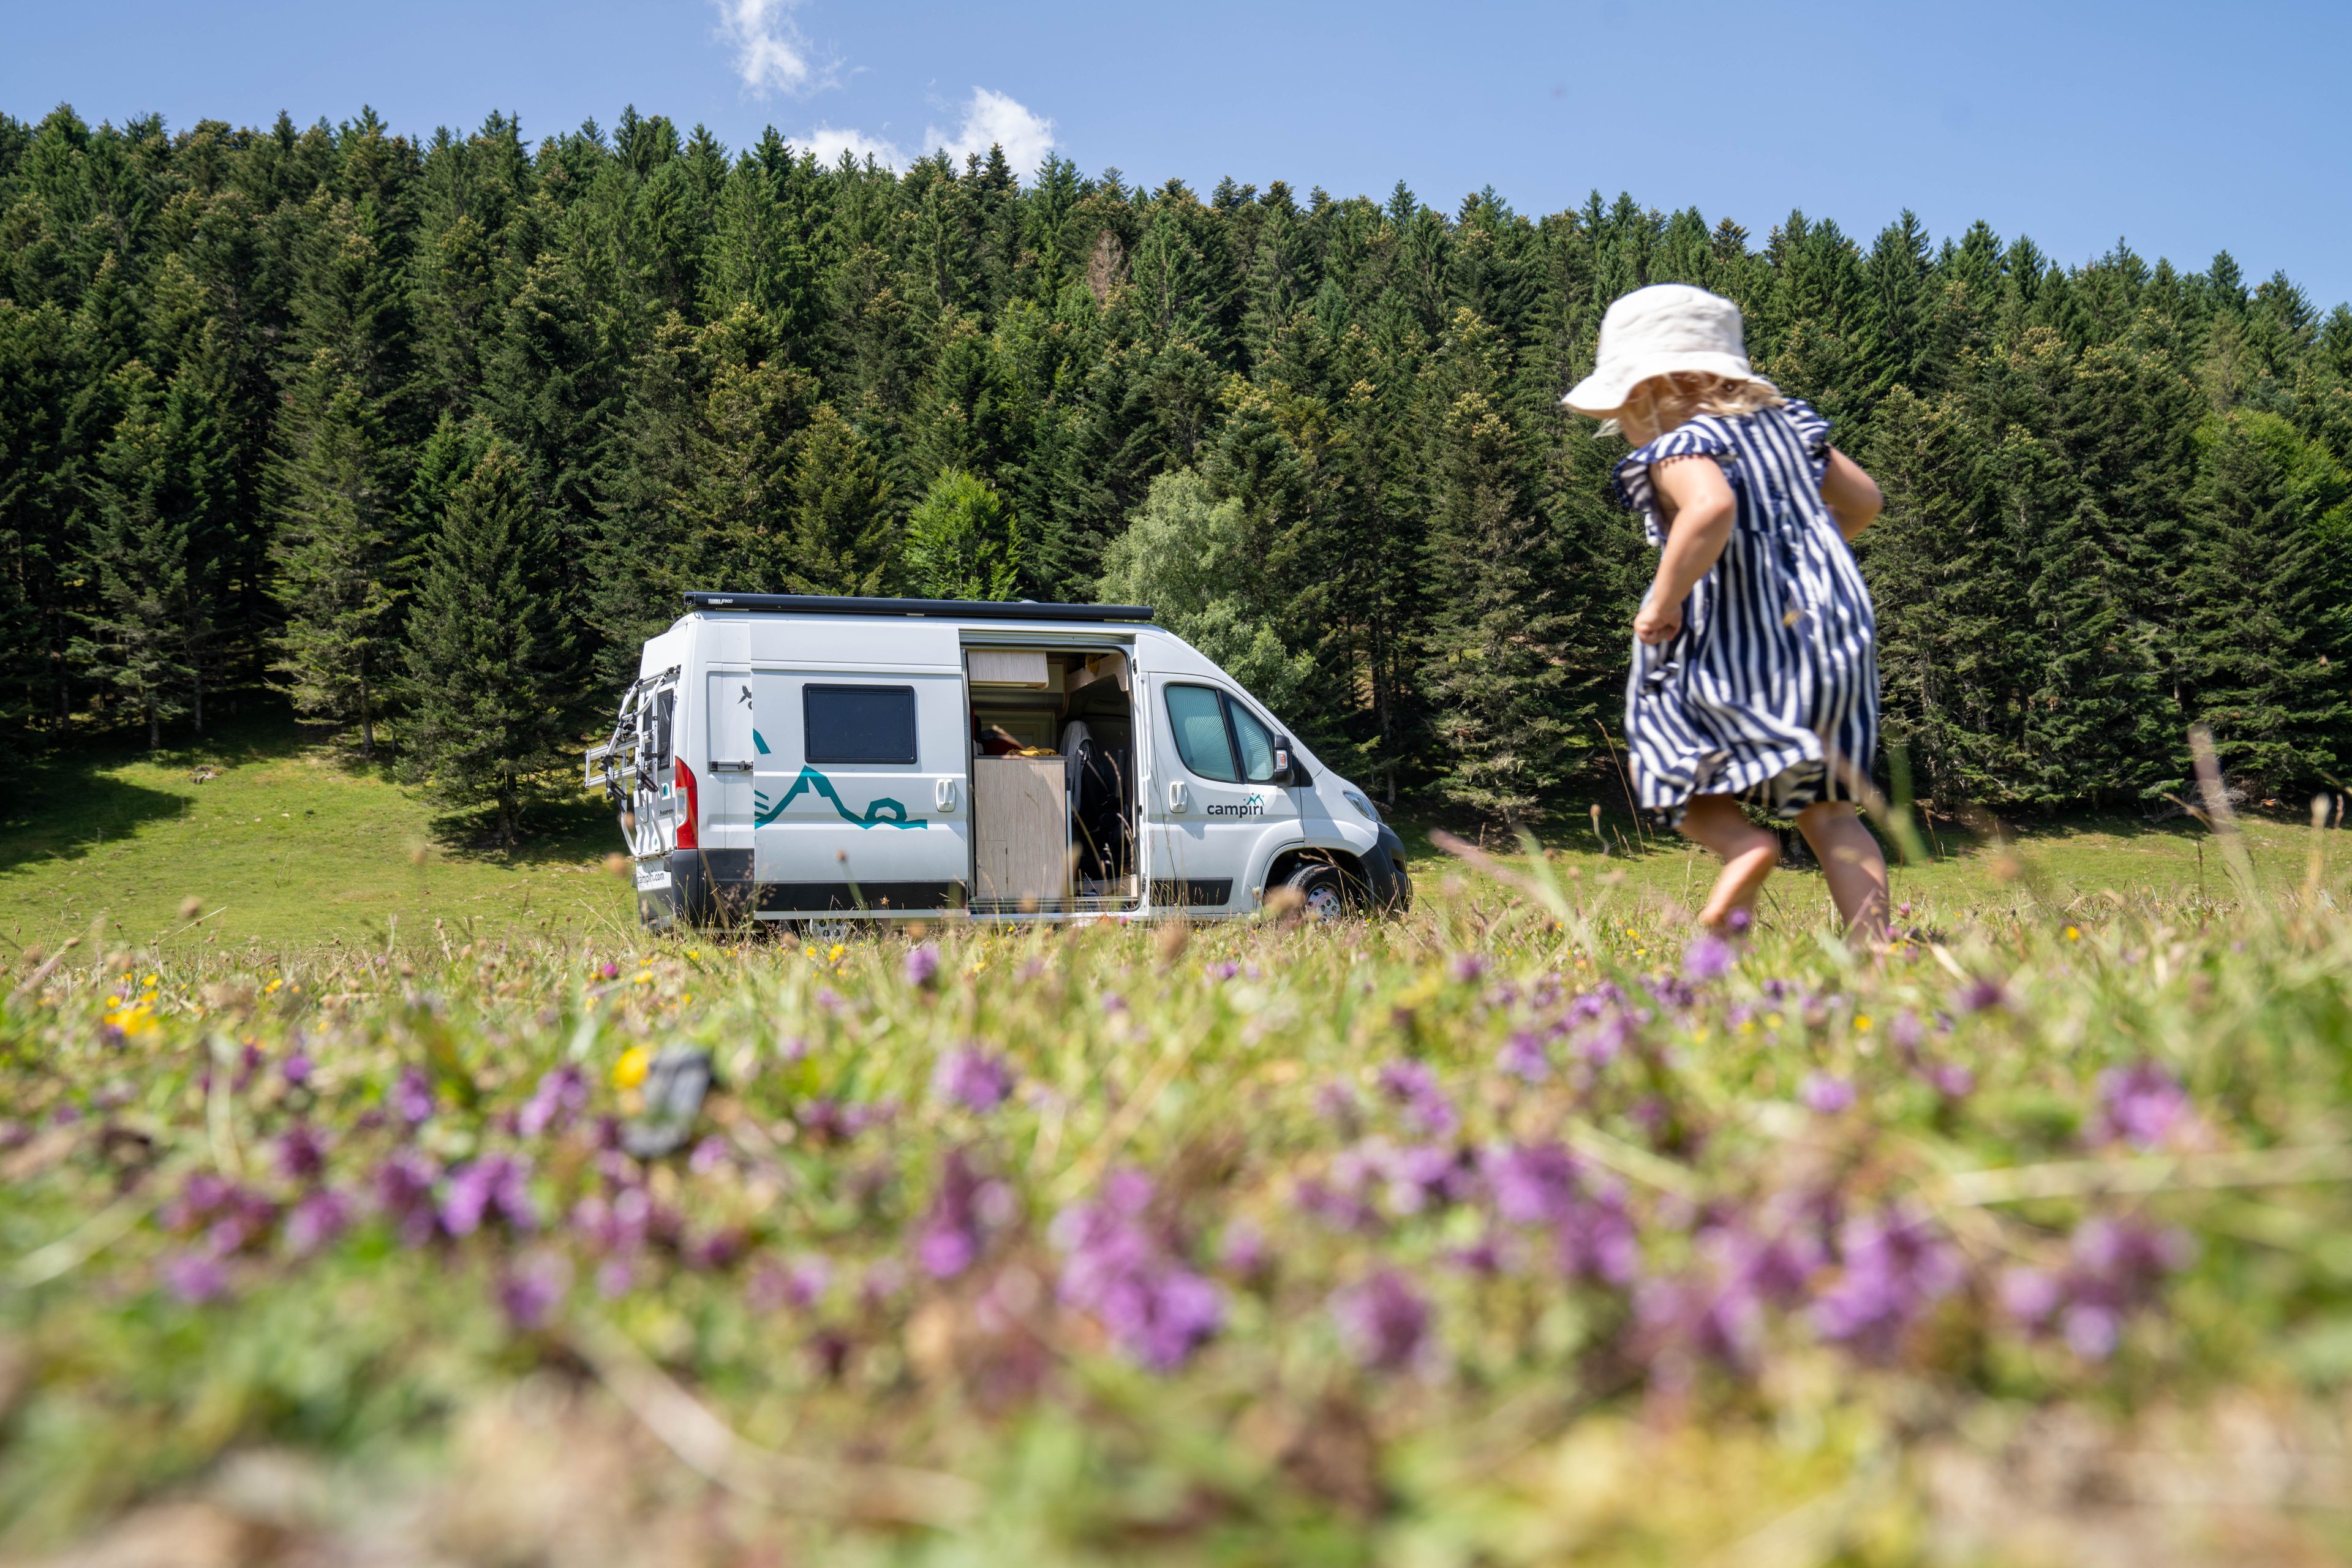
(943, 794)
(1180, 799)
(718, 767)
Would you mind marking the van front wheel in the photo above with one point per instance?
(1322, 891)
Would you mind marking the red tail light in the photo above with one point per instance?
(686, 837)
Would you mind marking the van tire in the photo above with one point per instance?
(1322, 891)
(828, 931)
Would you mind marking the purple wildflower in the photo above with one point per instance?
(710, 1153)
(720, 1250)
(966, 1207)
(201, 1197)
(301, 1154)
(196, 1277)
(1383, 1321)
(296, 1068)
(1335, 1102)
(2031, 1296)
(528, 1293)
(316, 1221)
(1468, 968)
(1708, 958)
(972, 1079)
(1981, 995)
(1113, 1002)
(1523, 1056)
(921, 964)
(1422, 1177)
(1340, 1202)
(1825, 1094)
(411, 1097)
(1596, 1241)
(1952, 1080)
(615, 1278)
(1532, 1184)
(1415, 1087)
(492, 1188)
(1243, 1252)
(2115, 1267)
(1896, 1265)
(1224, 969)
(1606, 1039)
(1906, 1031)
(2141, 1105)
(561, 1097)
(799, 1284)
(1126, 1273)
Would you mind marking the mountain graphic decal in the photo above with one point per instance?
(883, 812)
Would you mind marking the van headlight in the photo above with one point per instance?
(1360, 804)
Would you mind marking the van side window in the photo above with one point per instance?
(871, 724)
(1257, 744)
(1197, 715)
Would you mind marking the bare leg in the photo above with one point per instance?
(1851, 860)
(1748, 854)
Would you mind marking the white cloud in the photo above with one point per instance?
(829, 142)
(993, 119)
(770, 52)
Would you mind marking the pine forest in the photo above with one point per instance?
(428, 436)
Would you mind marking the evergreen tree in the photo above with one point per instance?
(1491, 668)
(340, 548)
(2259, 589)
(150, 507)
(962, 541)
(843, 539)
(487, 662)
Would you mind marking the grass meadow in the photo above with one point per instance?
(1521, 1229)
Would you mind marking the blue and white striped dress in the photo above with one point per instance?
(1775, 668)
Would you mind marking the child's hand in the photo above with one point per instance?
(1655, 623)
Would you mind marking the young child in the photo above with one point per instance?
(1754, 677)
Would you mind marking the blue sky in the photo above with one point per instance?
(2183, 128)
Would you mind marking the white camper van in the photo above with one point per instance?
(826, 760)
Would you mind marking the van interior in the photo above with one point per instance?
(1054, 805)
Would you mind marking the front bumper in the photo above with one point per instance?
(1384, 868)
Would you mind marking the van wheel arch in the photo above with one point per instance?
(1357, 886)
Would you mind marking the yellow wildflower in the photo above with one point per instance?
(2074, 934)
(630, 1070)
(1862, 1023)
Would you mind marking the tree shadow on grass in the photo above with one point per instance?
(62, 807)
(556, 830)
(63, 802)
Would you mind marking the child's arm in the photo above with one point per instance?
(1700, 508)
(1850, 495)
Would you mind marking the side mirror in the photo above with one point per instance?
(1287, 768)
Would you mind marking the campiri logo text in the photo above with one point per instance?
(1249, 805)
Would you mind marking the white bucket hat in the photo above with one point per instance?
(1657, 331)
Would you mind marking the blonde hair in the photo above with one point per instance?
(1667, 402)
